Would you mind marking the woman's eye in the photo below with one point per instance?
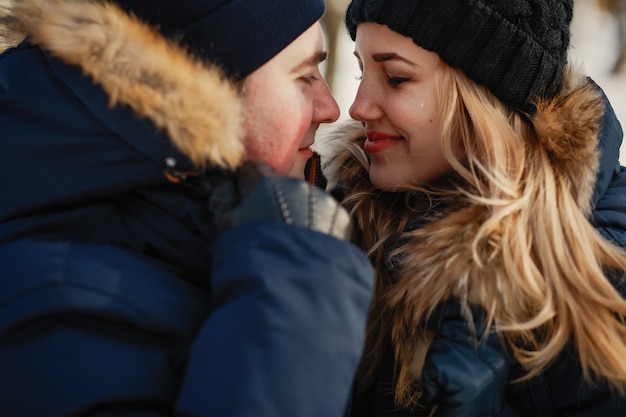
(392, 81)
(396, 81)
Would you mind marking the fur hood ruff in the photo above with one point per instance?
(137, 67)
(568, 127)
(474, 252)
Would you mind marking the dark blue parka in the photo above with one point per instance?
(561, 390)
(116, 295)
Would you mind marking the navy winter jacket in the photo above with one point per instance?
(118, 298)
(561, 389)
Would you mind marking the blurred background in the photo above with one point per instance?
(598, 47)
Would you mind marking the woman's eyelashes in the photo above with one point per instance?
(396, 81)
(391, 81)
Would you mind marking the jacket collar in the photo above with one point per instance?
(191, 101)
(610, 141)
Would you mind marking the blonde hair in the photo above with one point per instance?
(514, 236)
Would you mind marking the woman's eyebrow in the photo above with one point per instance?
(391, 56)
(388, 56)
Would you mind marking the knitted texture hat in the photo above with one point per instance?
(238, 35)
(515, 48)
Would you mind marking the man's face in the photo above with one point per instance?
(284, 101)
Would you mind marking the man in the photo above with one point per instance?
(294, 110)
(147, 268)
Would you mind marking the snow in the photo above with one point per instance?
(594, 50)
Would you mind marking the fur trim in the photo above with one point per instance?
(8, 38)
(138, 67)
(568, 126)
(339, 147)
(451, 262)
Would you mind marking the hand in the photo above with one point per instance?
(464, 373)
(257, 193)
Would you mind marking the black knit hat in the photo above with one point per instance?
(238, 35)
(515, 48)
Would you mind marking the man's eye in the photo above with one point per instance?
(309, 79)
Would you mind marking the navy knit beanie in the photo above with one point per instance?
(238, 35)
(515, 48)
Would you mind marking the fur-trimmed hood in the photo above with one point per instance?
(96, 108)
(137, 67)
(577, 128)
(496, 258)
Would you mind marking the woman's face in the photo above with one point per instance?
(397, 103)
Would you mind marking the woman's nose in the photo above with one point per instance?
(365, 107)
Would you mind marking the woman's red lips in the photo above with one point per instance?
(379, 141)
(374, 136)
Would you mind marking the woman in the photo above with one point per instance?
(484, 179)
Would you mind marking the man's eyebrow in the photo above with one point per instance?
(312, 61)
